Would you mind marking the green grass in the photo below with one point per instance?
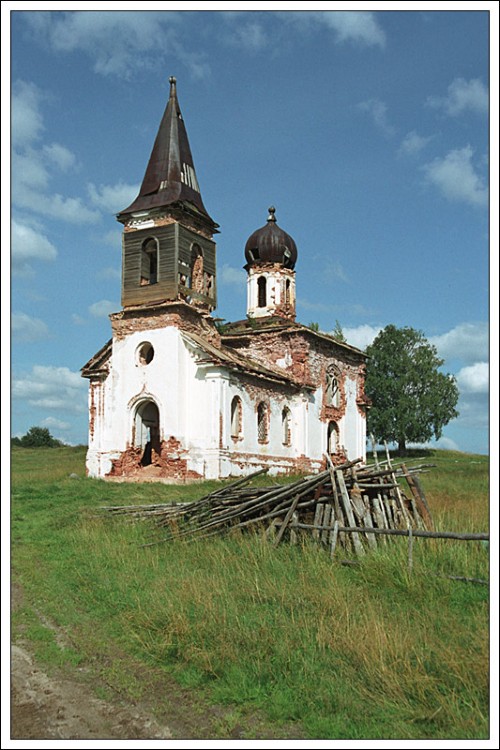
(335, 652)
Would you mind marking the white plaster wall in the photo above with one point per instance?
(274, 281)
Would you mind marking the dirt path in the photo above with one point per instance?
(61, 708)
(64, 703)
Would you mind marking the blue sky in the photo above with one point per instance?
(368, 130)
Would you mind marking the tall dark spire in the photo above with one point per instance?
(170, 175)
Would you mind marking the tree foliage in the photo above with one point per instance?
(411, 399)
(37, 437)
(338, 333)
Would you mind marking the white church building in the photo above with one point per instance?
(175, 395)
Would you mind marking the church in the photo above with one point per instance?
(176, 395)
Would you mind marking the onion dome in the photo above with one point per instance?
(270, 244)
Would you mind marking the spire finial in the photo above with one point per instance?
(271, 216)
(172, 80)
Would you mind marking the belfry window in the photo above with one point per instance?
(262, 423)
(149, 262)
(236, 417)
(197, 277)
(287, 292)
(261, 291)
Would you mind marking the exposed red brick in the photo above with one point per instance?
(170, 462)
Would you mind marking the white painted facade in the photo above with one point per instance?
(193, 397)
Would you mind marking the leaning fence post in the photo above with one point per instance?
(410, 548)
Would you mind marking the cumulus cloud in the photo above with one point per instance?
(246, 34)
(118, 42)
(462, 96)
(53, 423)
(52, 388)
(377, 110)
(467, 341)
(27, 329)
(359, 27)
(230, 275)
(361, 336)
(26, 118)
(103, 308)
(456, 178)
(60, 156)
(413, 143)
(113, 198)
(33, 164)
(474, 378)
(28, 244)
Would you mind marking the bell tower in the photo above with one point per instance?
(168, 248)
(271, 255)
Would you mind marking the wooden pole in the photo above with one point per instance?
(285, 523)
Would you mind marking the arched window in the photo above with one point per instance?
(286, 424)
(236, 417)
(149, 261)
(261, 291)
(262, 423)
(332, 440)
(332, 392)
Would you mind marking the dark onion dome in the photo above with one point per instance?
(270, 244)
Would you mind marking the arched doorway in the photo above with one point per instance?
(147, 430)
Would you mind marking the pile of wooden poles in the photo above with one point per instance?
(347, 505)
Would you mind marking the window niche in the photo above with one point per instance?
(332, 388)
(236, 418)
(286, 426)
(332, 438)
(262, 423)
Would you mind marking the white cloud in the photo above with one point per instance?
(358, 27)
(52, 388)
(333, 270)
(377, 110)
(444, 443)
(455, 177)
(462, 96)
(413, 143)
(27, 329)
(60, 156)
(467, 341)
(103, 308)
(77, 320)
(28, 244)
(52, 422)
(474, 378)
(113, 198)
(245, 34)
(32, 163)
(230, 275)
(26, 118)
(118, 43)
(361, 336)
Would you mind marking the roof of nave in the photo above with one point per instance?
(239, 329)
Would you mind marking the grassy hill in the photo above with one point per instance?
(291, 644)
